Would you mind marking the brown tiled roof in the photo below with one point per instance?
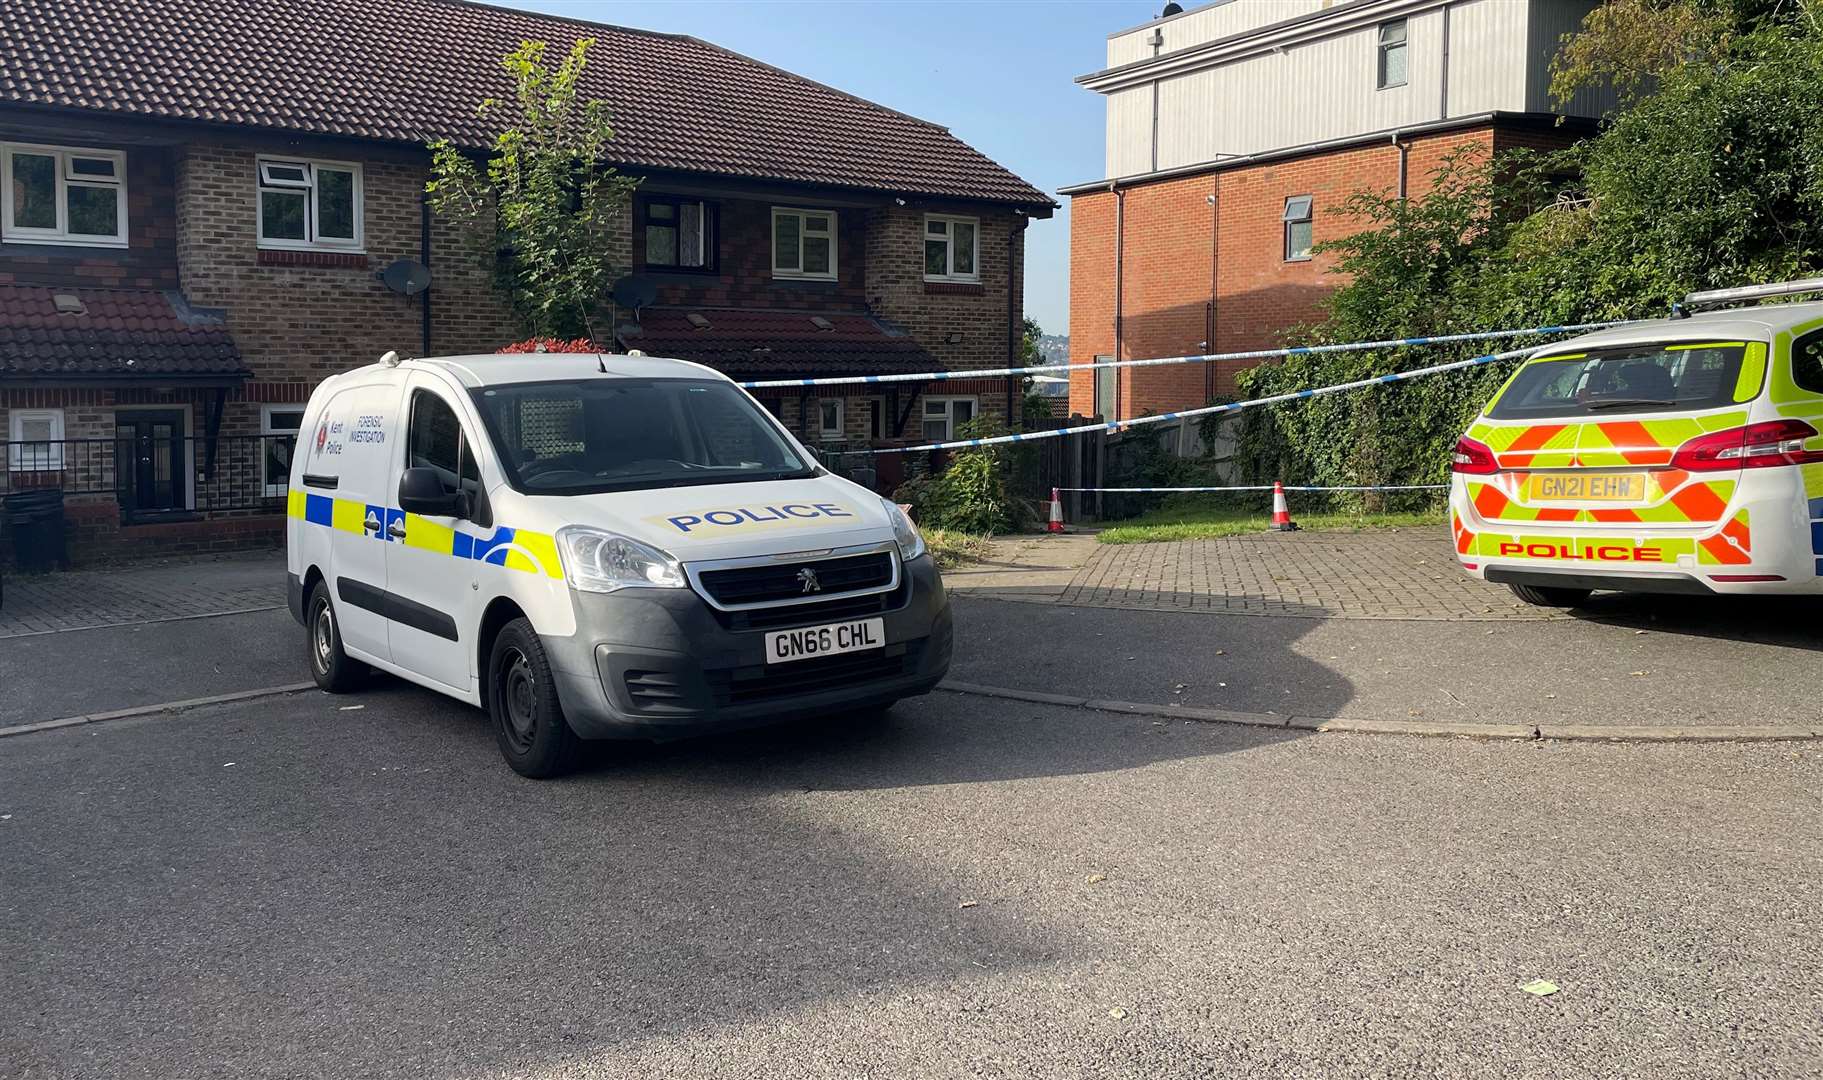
(119, 334)
(767, 342)
(412, 69)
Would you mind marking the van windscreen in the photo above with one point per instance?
(1628, 379)
(573, 438)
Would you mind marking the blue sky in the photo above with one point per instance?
(996, 72)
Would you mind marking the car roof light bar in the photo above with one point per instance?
(1715, 298)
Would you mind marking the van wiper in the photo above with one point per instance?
(1625, 402)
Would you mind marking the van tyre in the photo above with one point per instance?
(1546, 596)
(528, 721)
(332, 668)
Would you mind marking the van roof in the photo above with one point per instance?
(497, 369)
(1725, 324)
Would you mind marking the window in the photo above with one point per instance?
(435, 442)
(58, 195)
(1807, 362)
(1392, 55)
(279, 430)
(1105, 387)
(944, 416)
(310, 204)
(1626, 379)
(1297, 228)
(37, 438)
(803, 243)
(952, 248)
(876, 418)
(829, 419)
(679, 233)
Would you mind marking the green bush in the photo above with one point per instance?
(972, 494)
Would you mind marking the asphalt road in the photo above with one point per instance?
(1632, 660)
(965, 888)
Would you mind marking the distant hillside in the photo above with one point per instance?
(1054, 347)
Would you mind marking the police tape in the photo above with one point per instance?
(1260, 487)
(1210, 410)
(1205, 358)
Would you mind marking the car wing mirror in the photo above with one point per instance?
(421, 491)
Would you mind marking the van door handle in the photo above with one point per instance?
(396, 529)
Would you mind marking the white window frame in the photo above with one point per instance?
(949, 222)
(265, 180)
(1383, 48)
(948, 401)
(799, 274)
(1286, 221)
(66, 179)
(266, 429)
(840, 430)
(36, 455)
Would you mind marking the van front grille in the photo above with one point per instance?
(745, 686)
(786, 580)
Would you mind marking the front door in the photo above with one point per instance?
(152, 459)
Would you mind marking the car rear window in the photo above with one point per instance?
(1631, 379)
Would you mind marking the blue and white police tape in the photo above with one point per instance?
(1210, 410)
(1257, 354)
(1263, 487)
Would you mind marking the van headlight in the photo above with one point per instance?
(911, 544)
(595, 560)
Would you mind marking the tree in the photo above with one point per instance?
(544, 203)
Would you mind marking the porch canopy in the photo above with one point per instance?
(112, 337)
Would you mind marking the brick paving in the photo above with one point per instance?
(149, 592)
(1406, 573)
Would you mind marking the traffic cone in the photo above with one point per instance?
(1281, 513)
(1056, 524)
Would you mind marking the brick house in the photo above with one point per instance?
(1235, 131)
(198, 201)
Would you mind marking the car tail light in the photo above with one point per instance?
(1756, 446)
(1473, 458)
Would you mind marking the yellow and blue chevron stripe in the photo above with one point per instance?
(514, 549)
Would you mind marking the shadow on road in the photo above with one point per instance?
(1791, 621)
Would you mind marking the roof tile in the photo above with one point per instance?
(122, 332)
(409, 70)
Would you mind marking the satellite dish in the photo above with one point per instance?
(407, 276)
(1170, 10)
(634, 291)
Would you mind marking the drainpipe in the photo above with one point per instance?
(1443, 95)
(1013, 326)
(1215, 262)
(424, 257)
(1120, 239)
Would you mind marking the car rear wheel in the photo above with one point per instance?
(1548, 596)
(332, 668)
(528, 721)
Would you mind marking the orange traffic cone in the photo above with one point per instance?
(1281, 513)
(1056, 524)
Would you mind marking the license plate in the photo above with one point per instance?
(784, 646)
(1590, 487)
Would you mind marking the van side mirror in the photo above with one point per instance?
(421, 491)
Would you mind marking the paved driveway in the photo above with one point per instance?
(971, 889)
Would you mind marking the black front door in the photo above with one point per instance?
(151, 457)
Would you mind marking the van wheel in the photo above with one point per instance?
(1546, 596)
(329, 665)
(534, 737)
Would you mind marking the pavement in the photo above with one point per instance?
(963, 889)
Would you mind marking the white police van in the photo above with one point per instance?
(596, 547)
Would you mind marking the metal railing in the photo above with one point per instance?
(155, 476)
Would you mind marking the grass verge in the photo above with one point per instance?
(952, 548)
(1191, 522)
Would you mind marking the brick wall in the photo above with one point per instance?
(149, 261)
(1173, 249)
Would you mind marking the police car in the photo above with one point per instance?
(1679, 455)
(596, 547)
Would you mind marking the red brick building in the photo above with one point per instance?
(1236, 132)
(197, 201)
